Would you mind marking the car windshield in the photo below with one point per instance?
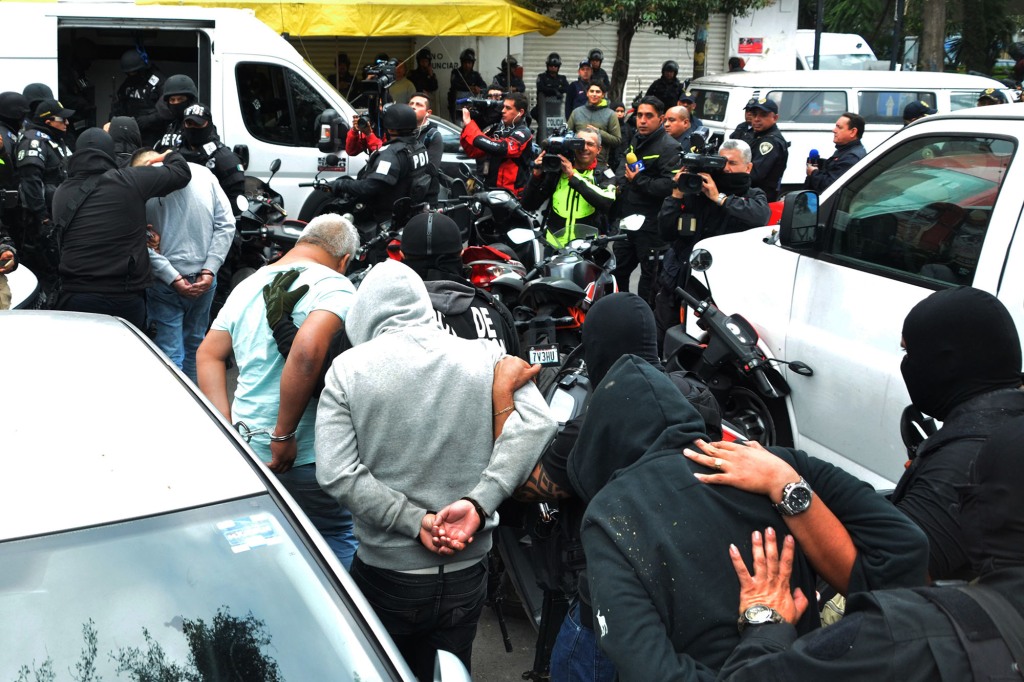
(225, 592)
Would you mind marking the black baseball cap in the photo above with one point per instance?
(916, 110)
(431, 234)
(764, 104)
(585, 62)
(995, 95)
(48, 108)
(198, 113)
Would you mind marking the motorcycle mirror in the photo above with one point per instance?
(700, 260)
(801, 368)
(332, 160)
(520, 235)
(632, 223)
(275, 166)
(242, 202)
(465, 170)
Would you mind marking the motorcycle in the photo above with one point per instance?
(749, 390)
(497, 217)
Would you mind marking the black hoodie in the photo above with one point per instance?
(104, 247)
(663, 589)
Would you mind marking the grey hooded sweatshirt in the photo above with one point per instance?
(405, 423)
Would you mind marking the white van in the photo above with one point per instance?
(810, 102)
(226, 51)
(836, 51)
(934, 206)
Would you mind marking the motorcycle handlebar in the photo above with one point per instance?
(688, 298)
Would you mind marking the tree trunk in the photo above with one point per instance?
(700, 51)
(620, 70)
(975, 37)
(933, 35)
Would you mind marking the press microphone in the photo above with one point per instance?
(814, 159)
(634, 163)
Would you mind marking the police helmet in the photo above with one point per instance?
(36, 93)
(596, 54)
(180, 84)
(553, 60)
(670, 66)
(132, 61)
(423, 54)
(509, 62)
(400, 117)
(13, 106)
(468, 55)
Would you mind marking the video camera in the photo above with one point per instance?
(562, 143)
(484, 111)
(379, 76)
(691, 183)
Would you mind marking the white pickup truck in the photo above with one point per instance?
(936, 205)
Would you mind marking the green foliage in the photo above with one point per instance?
(673, 18)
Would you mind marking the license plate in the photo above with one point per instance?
(545, 355)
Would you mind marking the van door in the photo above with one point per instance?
(924, 216)
(274, 106)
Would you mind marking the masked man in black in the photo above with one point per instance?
(201, 145)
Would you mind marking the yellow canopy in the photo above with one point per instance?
(381, 18)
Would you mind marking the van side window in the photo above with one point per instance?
(809, 106)
(278, 105)
(921, 211)
(887, 106)
(963, 99)
(711, 104)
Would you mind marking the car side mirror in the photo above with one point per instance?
(798, 228)
(242, 152)
(332, 129)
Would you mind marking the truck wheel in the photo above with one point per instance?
(757, 418)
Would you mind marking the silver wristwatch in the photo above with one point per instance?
(796, 498)
(758, 614)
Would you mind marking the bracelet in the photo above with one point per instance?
(507, 409)
(281, 439)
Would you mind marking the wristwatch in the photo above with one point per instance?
(796, 498)
(758, 614)
(721, 198)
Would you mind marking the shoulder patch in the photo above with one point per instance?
(210, 148)
(34, 144)
(765, 148)
(521, 135)
(154, 79)
(211, 163)
(384, 167)
(21, 155)
(609, 173)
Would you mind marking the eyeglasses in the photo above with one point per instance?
(58, 119)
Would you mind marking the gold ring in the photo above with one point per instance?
(718, 463)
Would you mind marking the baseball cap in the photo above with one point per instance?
(198, 113)
(584, 62)
(916, 110)
(764, 104)
(431, 234)
(995, 95)
(48, 108)
(687, 97)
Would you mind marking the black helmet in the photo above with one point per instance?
(468, 55)
(596, 54)
(509, 62)
(553, 60)
(180, 84)
(400, 117)
(132, 61)
(36, 93)
(670, 66)
(423, 54)
(13, 106)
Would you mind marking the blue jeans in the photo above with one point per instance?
(576, 656)
(424, 613)
(181, 323)
(332, 520)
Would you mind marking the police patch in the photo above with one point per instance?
(765, 148)
(34, 144)
(384, 167)
(211, 164)
(21, 155)
(210, 147)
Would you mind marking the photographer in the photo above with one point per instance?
(508, 152)
(704, 204)
(360, 137)
(577, 190)
(400, 168)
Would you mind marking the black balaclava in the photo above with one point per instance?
(991, 505)
(733, 183)
(197, 137)
(617, 325)
(36, 93)
(95, 139)
(961, 343)
(124, 131)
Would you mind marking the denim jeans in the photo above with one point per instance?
(424, 613)
(576, 656)
(332, 520)
(181, 323)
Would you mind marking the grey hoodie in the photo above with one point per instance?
(404, 424)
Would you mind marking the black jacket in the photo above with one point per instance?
(222, 162)
(552, 85)
(644, 194)
(541, 188)
(400, 168)
(769, 152)
(666, 595)
(668, 91)
(467, 312)
(846, 155)
(104, 247)
(927, 490)
(888, 635)
(42, 166)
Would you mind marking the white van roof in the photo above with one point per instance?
(874, 80)
(833, 43)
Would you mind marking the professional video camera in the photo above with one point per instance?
(379, 76)
(484, 111)
(562, 143)
(691, 183)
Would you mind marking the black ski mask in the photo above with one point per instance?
(197, 137)
(960, 343)
(733, 183)
(178, 110)
(991, 506)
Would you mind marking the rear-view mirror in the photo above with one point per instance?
(798, 228)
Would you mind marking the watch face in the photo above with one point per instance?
(799, 498)
(758, 613)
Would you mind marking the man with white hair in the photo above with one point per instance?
(275, 397)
